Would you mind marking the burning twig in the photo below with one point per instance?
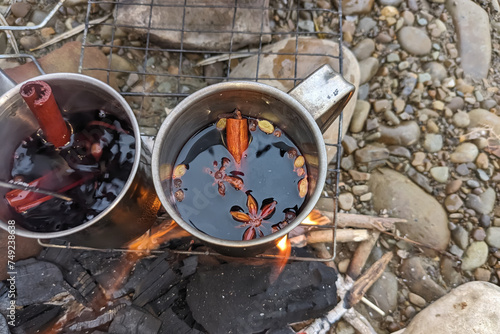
(349, 298)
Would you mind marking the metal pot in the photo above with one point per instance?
(133, 211)
(304, 113)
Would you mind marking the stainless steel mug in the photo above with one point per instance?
(133, 211)
(304, 113)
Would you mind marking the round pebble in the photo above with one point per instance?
(432, 142)
(440, 174)
(465, 152)
(414, 41)
(461, 119)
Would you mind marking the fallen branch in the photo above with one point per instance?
(363, 221)
(344, 235)
(349, 298)
(361, 255)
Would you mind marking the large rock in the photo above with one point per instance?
(279, 65)
(206, 27)
(470, 308)
(472, 25)
(427, 220)
(481, 118)
(414, 41)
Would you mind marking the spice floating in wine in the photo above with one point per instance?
(243, 199)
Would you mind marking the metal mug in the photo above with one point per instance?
(133, 211)
(303, 114)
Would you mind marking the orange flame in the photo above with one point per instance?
(285, 249)
(316, 218)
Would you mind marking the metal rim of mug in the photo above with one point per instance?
(133, 124)
(256, 87)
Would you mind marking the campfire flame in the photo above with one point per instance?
(285, 249)
(316, 218)
(140, 248)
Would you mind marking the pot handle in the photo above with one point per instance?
(7, 83)
(324, 94)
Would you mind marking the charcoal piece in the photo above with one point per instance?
(236, 298)
(173, 325)
(37, 282)
(134, 320)
(96, 321)
(63, 257)
(4, 299)
(102, 266)
(4, 328)
(36, 318)
(283, 330)
(165, 301)
(86, 290)
(189, 266)
(149, 280)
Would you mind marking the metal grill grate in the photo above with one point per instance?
(200, 42)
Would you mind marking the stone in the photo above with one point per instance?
(381, 105)
(483, 118)
(205, 27)
(493, 236)
(20, 9)
(465, 152)
(453, 202)
(456, 103)
(419, 179)
(365, 25)
(475, 255)
(29, 42)
(360, 189)
(460, 237)
(359, 116)
(436, 70)
(347, 163)
(414, 41)
(482, 161)
(364, 48)
(368, 68)
(482, 274)
(440, 174)
(449, 271)
(424, 77)
(400, 151)
(466, 309)
(473, 184)
(384, 292)
(472, 25)
(453, 186)
(479, 234)
(462, 169)
(427, 220)
(391, 117)
(483, 203)
(359, 176)
(408, 17)
(277, 66)
(355, 7)
(399, 105)
(418, 159)
(433, 142)
(371, 153)
(416, 300)
(461, 119)
(405, 134)
(346, 200)
(438, 105)
(415, 273)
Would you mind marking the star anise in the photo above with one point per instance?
(253, 219)
(220, 176)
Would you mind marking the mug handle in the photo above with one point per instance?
(324, 94)
(7, 83)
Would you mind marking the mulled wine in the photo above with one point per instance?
(239, 187)
(91, 169)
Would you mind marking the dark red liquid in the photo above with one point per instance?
(266, 170)
(104, 177)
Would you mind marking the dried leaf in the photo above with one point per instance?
(303, 187)
(299, 161)
(268, 210)
(179, 171)
(252, 206)
(266, 126)
(221, 124)
(240, 216)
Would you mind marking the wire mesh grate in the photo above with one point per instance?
(176, 47)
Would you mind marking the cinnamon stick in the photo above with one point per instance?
(38, 95)
(237, 135)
